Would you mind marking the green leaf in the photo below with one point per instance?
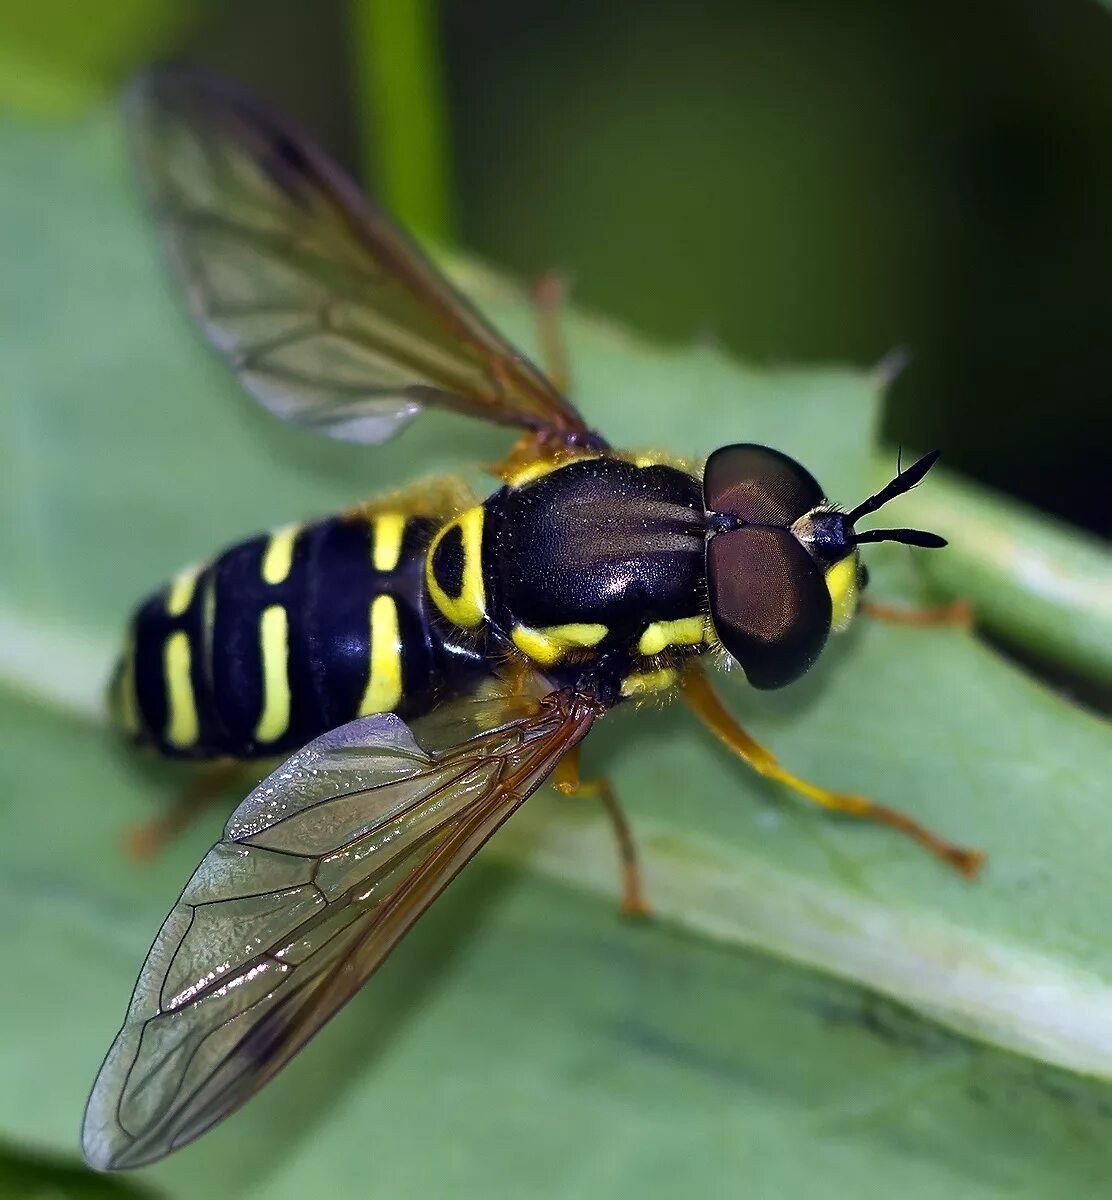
(24, 1177)
(524, 1040)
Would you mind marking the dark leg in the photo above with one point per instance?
(703, 699)
(148, 839)
(566, 780)
(549, 293)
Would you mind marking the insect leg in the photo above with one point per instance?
(549, 293)
(566, 780)
(957, 612)
(146, 840)
(704, 701)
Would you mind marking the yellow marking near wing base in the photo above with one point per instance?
(180, 596)
(468, 609)
(540, 467)
(644, 683)
(181, 722)
(274, 646)
(387, 533)
(547, 646)
(687, 631)
(278, 558)
(384, 686)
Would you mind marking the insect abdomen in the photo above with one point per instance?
(281, 638)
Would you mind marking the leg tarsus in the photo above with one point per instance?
(704, 701)
(956, 612)
(567, 781)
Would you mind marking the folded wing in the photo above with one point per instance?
(322, 870)
(328, 313)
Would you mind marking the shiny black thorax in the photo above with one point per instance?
(599, 540)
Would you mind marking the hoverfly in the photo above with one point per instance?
(426, 660)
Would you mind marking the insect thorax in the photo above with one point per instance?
(597, 559)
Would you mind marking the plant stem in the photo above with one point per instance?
(1032, 579)
(402, 112)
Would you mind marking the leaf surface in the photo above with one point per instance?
(524, 1039)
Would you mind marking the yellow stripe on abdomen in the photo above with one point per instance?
(181, 706)
(387, 532)
(180, 594)
(278, 556)
(123, 700)
(384, 684)
(274, 648)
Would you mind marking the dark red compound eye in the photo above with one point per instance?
(768, 599)
(758, 485)
(769, 603)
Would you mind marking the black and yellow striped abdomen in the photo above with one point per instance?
(285, 636)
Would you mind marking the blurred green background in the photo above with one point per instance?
(800, 181)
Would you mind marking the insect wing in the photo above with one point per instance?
(328, 313)
(322, 870)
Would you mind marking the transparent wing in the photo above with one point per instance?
(322, 869)
(329, 314)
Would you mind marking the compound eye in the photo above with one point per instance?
(758, 485)
(769, 603)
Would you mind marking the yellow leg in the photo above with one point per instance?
(145, 841)
(957, 612)
(703, 699)
(566, 780)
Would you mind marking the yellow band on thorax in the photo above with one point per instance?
(686, 631)
(468, 608)
(547, 646)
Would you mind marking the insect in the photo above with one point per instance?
(426, 660)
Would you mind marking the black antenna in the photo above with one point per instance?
(904, 482)
(909, 537)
